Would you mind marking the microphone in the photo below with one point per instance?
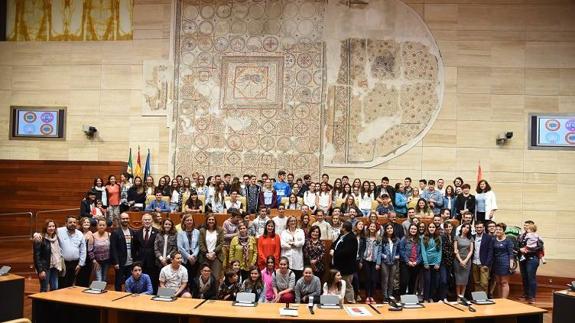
(310, 305)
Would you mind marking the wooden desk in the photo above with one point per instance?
(12, 291)
(71, 305)
(563, 304)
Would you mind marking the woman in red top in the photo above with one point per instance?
(268, 245)
(113, 192)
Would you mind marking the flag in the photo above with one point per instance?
(138, 169)
(147, 167)
(130, 165)
(479, 172)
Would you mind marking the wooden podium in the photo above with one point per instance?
(12, 291)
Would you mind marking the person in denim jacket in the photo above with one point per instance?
(410, 260)
(388, 260)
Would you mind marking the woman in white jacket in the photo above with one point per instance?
(292, 241)
(485, 202)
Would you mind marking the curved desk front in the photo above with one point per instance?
(71, 305)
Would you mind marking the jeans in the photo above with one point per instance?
(528, 269)
(371, 277)
(102, 272)
(365, 212)
(430, 283)
(51, 279)
(445, 276)
(388, 273)
(121, 275)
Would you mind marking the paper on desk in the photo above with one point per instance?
(357, 311)
(288, 312)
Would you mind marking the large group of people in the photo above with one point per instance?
(351, 239)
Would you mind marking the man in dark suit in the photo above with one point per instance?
(144, 249)
(344, 255)
(121, 250)
(482, 258)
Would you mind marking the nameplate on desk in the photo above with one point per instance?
(330, 307)
(94, 291)
(483, 302)
(163, 299)
(412, 306)
(242, 304)
(289, 312)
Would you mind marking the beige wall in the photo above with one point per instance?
(503, 59)
(99, 82)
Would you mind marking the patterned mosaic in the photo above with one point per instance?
(255, 91)
(386, 92)
(249, 86)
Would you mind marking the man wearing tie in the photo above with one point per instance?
(344, 255)
(144, 249)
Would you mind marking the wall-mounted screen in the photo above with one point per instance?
(37, 122)
(552, 131)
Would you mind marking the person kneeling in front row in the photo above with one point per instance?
(138, 282)
(175, 276)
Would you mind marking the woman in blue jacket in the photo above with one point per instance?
(388, 260)
(410, 260)
(450, 200)
(400, 202)
(370, 259)
(431, 255)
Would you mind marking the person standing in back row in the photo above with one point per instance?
(281, 187)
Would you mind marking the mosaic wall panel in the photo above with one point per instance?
(264, 85)
(249, 86)
(385, 89)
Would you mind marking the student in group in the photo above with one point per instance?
(267, 274)
(335, 285)
(336, 225)
(502, 257)
(482, 258)
(485, 202)
(413, 199)
(175, 276)
(188, 244)
(292, 242)
(349, 204)
(166, 243)
(205, 286)
(113, 190)
(388, 260)
(465, 202)
(365, 198)
(283, 283)
(369, 260)
(305, 220)
(344, 251)
(433, 197)
(243, 248)
(450, 200)
(314, 251)
(254, 284)
(122, 249)
(447, 260)
(280, 219)
(100, 253)
(211, 243)
(47, 257)
(307, 286)
(258, 225)
(230, 287)
(323, 198)
(233, 202)
(410, 260)
(293, 203)
(158, 205)
(431, 255)
(400, 203)
(463, 247)
(385, 206)
(324, 226)
(269, 245)
(281, 187)
(83, 276)
(359, 232)
(422, 209)
(193, 203)
(138, 282)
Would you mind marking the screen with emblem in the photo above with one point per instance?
(552, 131)
(37, 122)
